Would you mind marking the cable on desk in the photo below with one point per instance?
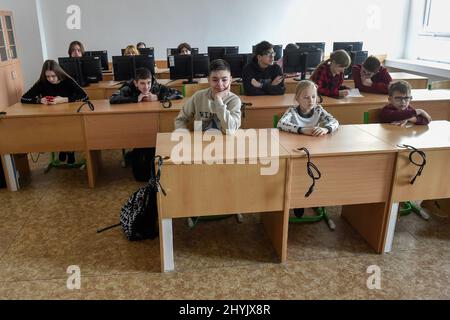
(311, 168)
(421, 165)
(86, 103)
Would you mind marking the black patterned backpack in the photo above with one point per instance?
(139, 215)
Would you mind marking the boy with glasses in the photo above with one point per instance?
(371, 76)
(399, 111)
(261, 76)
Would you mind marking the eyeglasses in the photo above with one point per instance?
(400, 99)
(268, 53)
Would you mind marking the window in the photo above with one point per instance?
(435, 19)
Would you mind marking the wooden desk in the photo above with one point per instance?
(357, 171)
(347, 110)
(434, 183)
(236, 188)
(102, 90)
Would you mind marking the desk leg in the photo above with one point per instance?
(276, 224)
(391, 227)
(166, 245)
(92, 166)
(10, 172)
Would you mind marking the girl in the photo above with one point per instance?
(76, 49)
(307, 118)
(184, 48)
(55, 86)
(131, 51)
(329, 75)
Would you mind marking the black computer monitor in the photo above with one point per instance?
(294, 60)
(309, 46)
(91, 68)
(313, 58)
(200, 65)
(188, 67)
(358, 57)
(145, 61)
(147, 51)
(237, 63)
(215, 53)
(103, 55)
(348, 46)
(277, 48)
(174, 51)
(125, 66)
(83, 70)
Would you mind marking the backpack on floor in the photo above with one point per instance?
(139, 215)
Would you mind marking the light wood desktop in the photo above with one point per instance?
(434, 182)
(357, 170)
(236, 188)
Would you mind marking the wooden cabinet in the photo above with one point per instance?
(11, 81)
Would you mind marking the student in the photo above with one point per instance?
(55, 86)
(131, 51)
(371, 76)
(141, 45)
(329, 75)
(217, 107)
(308, 118)
(76, 49)
(143, 88)
(184, 48)
(399, 111)
(261, 76)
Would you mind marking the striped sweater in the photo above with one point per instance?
(293, 120)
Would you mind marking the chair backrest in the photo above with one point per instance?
(276, 118)
(444, 84)
(372, 116)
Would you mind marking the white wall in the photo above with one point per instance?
(112, 24)
(27, 37)
(425, 47)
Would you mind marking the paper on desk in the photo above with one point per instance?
(354, 93)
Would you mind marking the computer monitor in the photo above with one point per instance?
(103, 55)
(200, 65)
(309, 46)
(278, 48)
(313, 58)
(147, 51)
(91, 68)
(237, 63)
(294, 60)
(348, 46)
(174, 51)
(83, 70)
(145, 61)
(215, 53)
(358, 57)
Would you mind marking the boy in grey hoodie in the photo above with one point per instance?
(217, 107)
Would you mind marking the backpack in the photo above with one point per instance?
(139, 215)
(142, 163)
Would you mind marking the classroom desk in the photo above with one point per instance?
(102, 89)
(235, 188)
(434, 182)
(357, 170)
(347, 110)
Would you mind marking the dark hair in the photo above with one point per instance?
(72, 47)
(372, 64)
(52, 65)
(401, 86)
(183, 45)
(291, 46)
(219, 65)
(262, 47)
(141, 44)
(143, 74)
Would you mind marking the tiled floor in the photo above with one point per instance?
(51, 224)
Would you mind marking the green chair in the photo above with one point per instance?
(321, 212)
(407, 207)
(55, 163)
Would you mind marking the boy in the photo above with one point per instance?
(399, 111)
(261, 76)
(143, 88)
(217, 107)
(371, 76)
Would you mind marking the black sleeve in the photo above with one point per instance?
(247, 75)
(278, 89)
(76, 92)
(33, 95)
(123, 95)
